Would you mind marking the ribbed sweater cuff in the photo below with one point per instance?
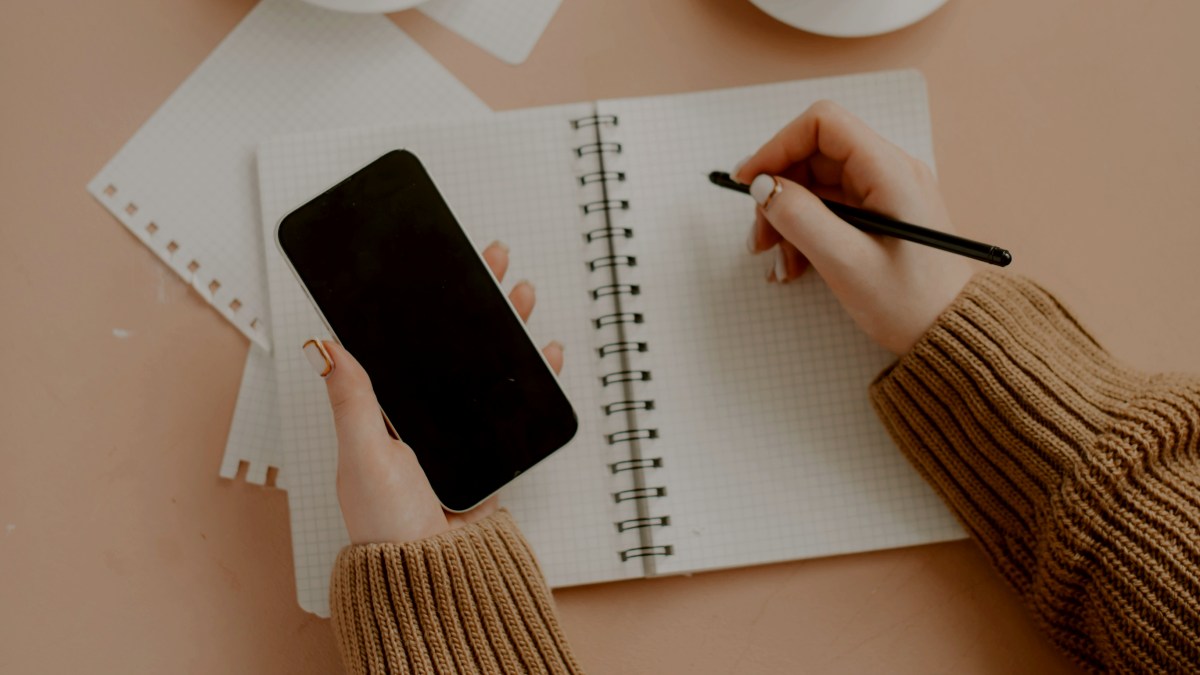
(999, 401)
(469, 600)
(1077, 476)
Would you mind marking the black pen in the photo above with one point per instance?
(874, 223)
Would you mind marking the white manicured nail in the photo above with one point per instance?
(319, 357)
(761, 188)
(780, 264)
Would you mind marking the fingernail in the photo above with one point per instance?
(503, 246)
(527, 283)
(780, 265)
(761, 188)
(556, 343)
(752, 239)
(319, 357)
(771, 269)
(738, 167)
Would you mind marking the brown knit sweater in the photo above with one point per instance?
(1079, 478)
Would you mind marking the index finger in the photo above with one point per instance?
(826, 128)
(496, 257)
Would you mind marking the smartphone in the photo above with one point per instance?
(400, 285)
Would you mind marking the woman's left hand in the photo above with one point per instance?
(383, 491)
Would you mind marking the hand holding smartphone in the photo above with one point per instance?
(399, 284)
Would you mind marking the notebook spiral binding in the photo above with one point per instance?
(622, 351)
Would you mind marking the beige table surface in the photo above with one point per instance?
(1068, 131)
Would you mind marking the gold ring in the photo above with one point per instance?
(775, 189)
(319, 357)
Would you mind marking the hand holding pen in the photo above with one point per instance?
(874, 223)
(892, 288)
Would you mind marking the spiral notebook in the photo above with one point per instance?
(724, 421)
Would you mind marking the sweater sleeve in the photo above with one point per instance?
(1079, 478)
(471, 600)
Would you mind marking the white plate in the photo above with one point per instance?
(366, 6)
(849, 18)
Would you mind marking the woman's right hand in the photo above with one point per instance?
(893, 289)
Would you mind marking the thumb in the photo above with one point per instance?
(356, 413)
(800, 217)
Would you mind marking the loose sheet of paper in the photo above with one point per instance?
(185, 183)
(508, 29)
(512, 177)
(254, 432)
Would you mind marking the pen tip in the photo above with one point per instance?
(1003, 258)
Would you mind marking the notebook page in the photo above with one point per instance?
(771, 450)
(508, 29)
(184, 184)
(510, 178)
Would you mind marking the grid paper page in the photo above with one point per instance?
(513, 178)
(184, 184)
(508, 29)
(771, 450)
(254, 433)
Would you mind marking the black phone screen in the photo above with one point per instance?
(404, 291)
